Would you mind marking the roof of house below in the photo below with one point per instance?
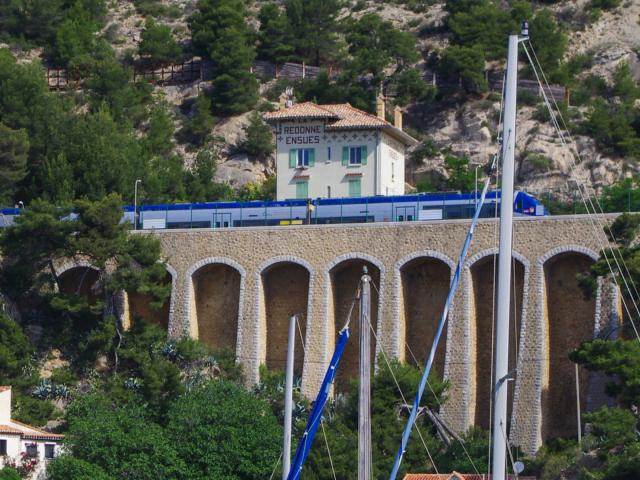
(28, 432)
(457, 476)
(341, 116)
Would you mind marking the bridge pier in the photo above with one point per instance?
(411, 258)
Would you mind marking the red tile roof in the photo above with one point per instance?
(341, 116)
(456, 476)
(4, 388)
(29, 432)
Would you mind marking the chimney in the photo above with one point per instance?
(397, 117)
(5, 405)
(282, 100)
(380, 105)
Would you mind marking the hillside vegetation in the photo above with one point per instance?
(199, 142)
(134, 404)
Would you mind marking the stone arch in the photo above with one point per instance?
(82, 280)
(559, 323)
(138, 305)
(335, 303)
(233, 334)
(479, 311)
(274, 340)
(404, 327)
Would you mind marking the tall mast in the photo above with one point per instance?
(504, 264)
(288, 398)
(364, 397)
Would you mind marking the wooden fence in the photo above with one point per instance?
(495, 80)
(174, 74)
(197, 69)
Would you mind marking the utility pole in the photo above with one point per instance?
(499, 430)
(364, 397)
(288, 398)
(135, 204)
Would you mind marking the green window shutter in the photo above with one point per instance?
(293, 158)
(354, 187)
(345, 156)
(302, 190)
(312, 157)
(363, 154)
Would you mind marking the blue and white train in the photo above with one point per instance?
(404, 208)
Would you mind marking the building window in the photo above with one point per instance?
(302, 157)
(354, 187)
(32, 450)
(3, 447)
(328, 154)
(302, 189)
(354, 155)
(393, 171)
(49, 450)
(328, 191)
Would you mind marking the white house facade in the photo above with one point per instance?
(336, 151)
(22, 444)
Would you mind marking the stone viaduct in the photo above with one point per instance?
(236, 288)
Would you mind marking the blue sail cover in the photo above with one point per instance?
(318, 407)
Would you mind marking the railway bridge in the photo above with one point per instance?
(236, 288)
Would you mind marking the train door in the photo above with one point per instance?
(405, 214)
(221, 220)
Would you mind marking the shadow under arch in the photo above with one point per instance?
(423, 281)
(483, 270)
(214, 296)
(569, 319)
(284, 290)
(344, 275)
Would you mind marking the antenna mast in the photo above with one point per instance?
(504, 260)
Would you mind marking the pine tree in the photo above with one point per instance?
(276, 42)
(314, 26)
(219, 32)
(14, 146)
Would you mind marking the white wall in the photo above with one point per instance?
(5, 406)
(392, 168)
(330, 172)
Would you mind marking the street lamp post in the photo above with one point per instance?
(135, 204)
(475, 189)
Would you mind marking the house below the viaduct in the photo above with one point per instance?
(236, 288)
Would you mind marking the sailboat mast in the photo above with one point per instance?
(504, 264)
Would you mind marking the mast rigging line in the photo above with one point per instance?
(588, 203)
(315, 417)
(452, 290)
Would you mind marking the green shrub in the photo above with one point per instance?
(69, 468)
(157, 44)
(604, 4)
(539, 162)
(8, 473)
(465, 62)
(259, 142)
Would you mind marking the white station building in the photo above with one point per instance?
(334, 151)
(21, 443)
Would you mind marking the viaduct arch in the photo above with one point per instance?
(262, 274)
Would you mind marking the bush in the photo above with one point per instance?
(259, 141)
(539, 162)
(157, 44)
(604, 4)
(413, 88)
(223, 421)
(70, 468)
(466, 63)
